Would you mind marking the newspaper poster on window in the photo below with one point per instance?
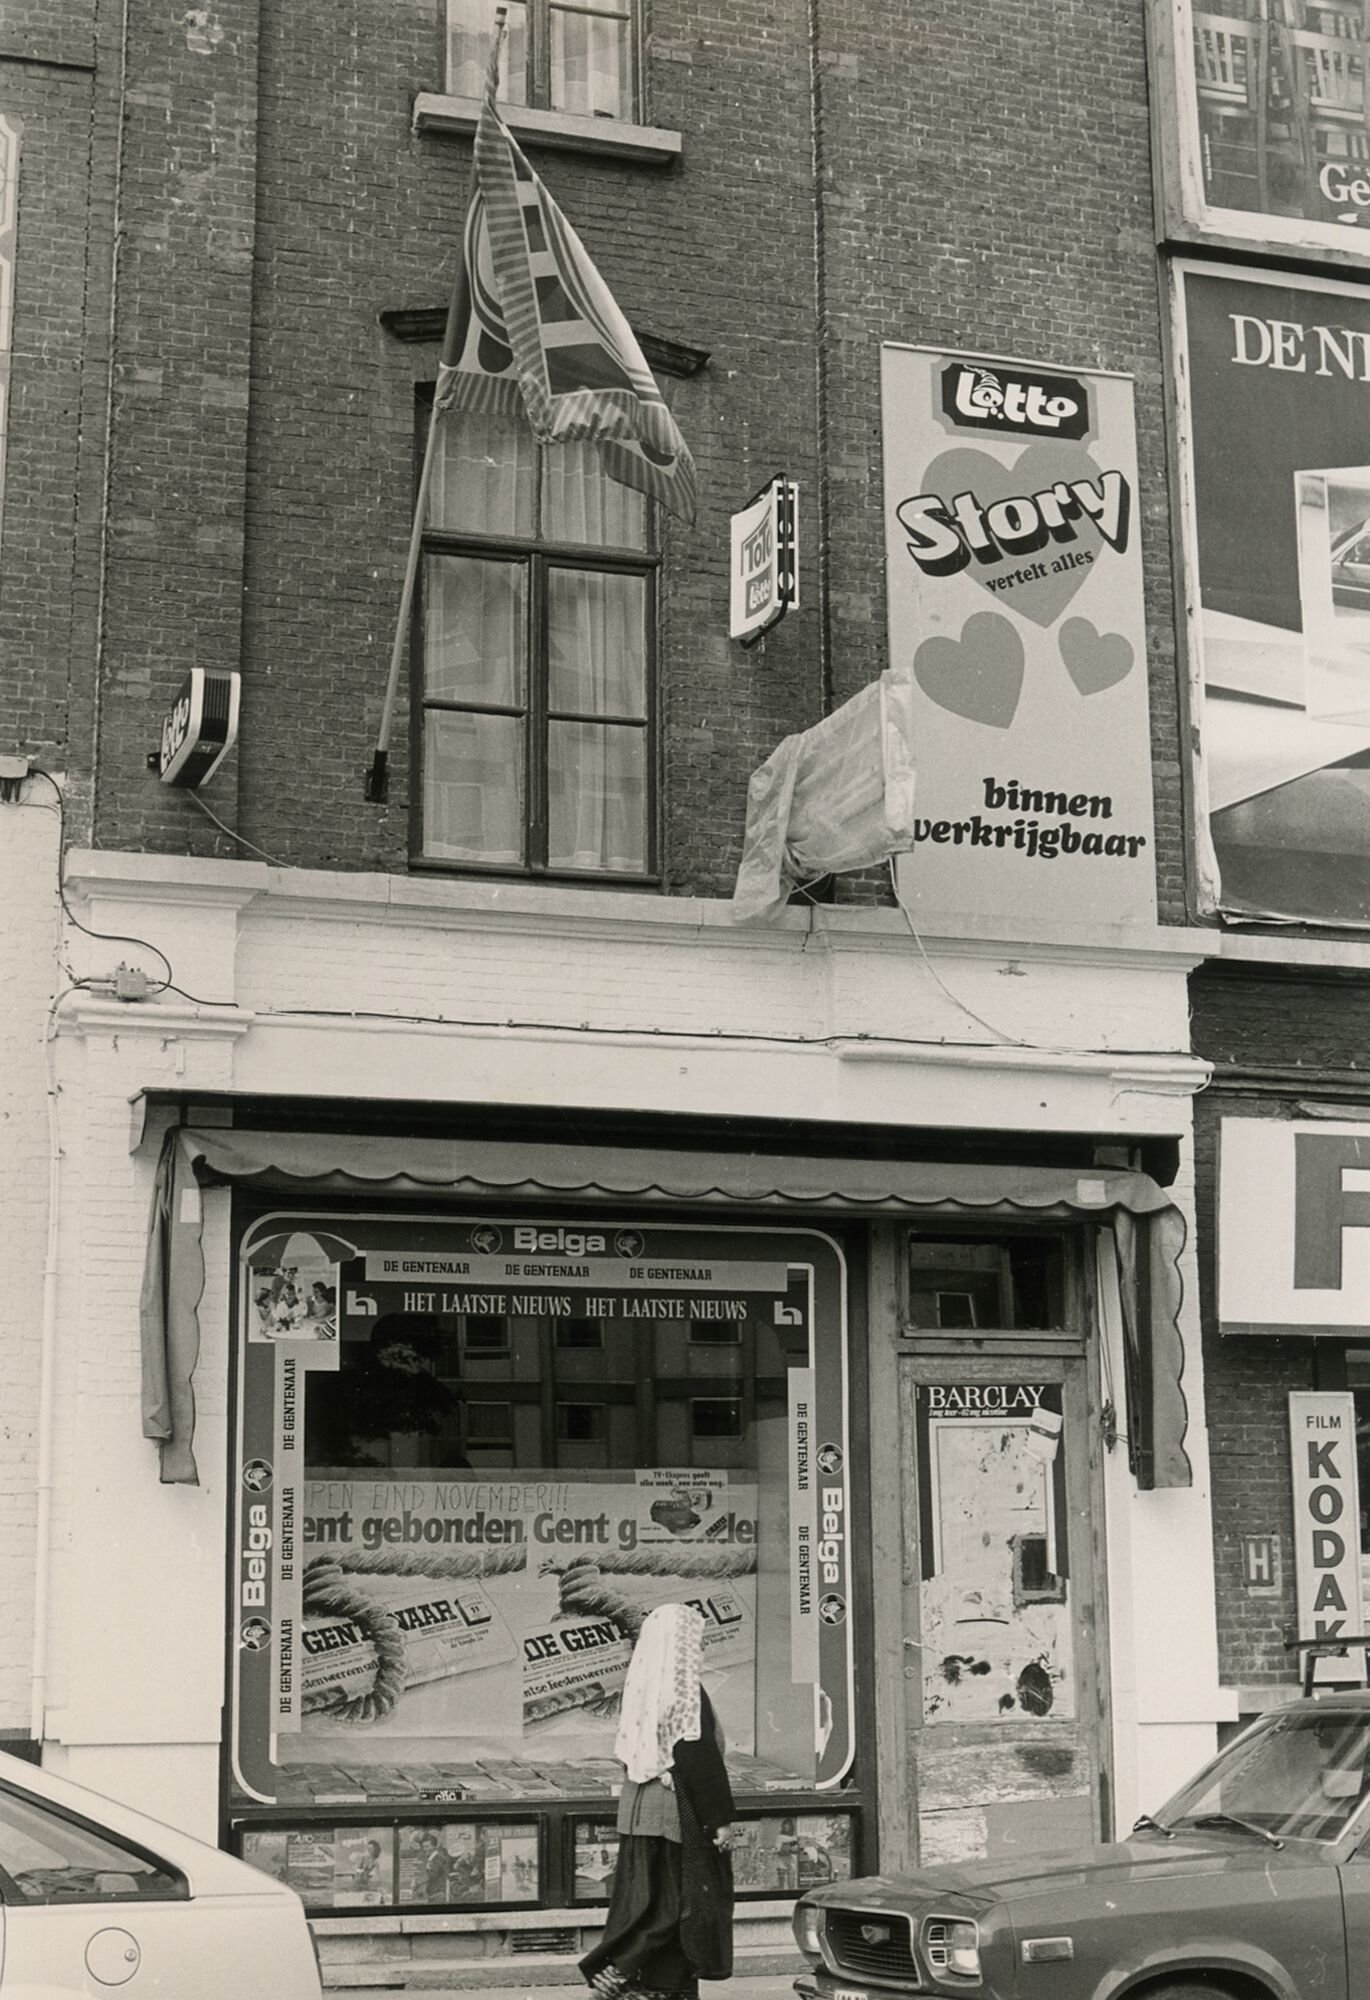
(1274, 394)
(447, 1535)
(1014, 580)
(1260, 124)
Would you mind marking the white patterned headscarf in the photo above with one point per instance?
(661, 1693)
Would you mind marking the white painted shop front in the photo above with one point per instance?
(981, 1157)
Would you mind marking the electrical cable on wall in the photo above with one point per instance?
(999, 1034)
(241, 838)
(512, 1025)
(155, 986)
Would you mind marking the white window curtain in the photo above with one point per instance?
(477, 649)
(591, 61)
(475, 644)
(484, 476)
(470, 24)
(596, 646)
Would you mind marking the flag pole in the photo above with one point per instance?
(377, 781)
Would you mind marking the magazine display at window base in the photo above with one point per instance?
(472, 1455)
(775, 1854)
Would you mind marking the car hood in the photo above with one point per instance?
(1013, 1878)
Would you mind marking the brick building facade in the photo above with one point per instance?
(237, 227)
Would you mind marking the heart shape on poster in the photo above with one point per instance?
(978, 676)
(1094, 660)
(1043, 465)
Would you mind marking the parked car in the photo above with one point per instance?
(95, 1896)
(1253, 1881)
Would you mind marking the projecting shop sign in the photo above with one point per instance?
(1293, 1226)
(764, 561)
(1322, 1443)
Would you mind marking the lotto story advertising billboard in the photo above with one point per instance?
(467, 1624)
(1273, 381)
(1014, 582)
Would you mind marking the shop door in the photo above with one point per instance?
(1003, 1640)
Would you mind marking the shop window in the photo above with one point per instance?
(964, 1283)
(505, 1460)
(580, 58)
(535, 712)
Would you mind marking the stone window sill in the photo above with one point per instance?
(565, 131)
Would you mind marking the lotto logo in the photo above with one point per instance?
(981, 397)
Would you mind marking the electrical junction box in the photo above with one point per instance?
(200, 729)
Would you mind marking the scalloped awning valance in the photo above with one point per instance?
(1148, 1233)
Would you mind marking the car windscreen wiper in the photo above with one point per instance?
(1242, 1825)
(1156, 1825)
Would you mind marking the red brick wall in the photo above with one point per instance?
(45, 627)
(174, 577)
(985, 182)
(1247, 1385)
(1266, 1032)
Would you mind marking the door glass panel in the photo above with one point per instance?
(964, 1282)
(473, 787)
(52, 1859)
(995, 1620)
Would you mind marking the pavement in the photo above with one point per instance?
(745, 1986)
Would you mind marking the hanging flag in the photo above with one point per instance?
(535, 329)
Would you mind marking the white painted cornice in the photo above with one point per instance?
(290, 895)
(93, 872)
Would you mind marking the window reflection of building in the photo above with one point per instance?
(1281, 90)
(491, 1392)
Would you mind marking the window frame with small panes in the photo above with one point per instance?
(529, 73)
(555, 581)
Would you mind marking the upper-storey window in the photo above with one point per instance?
(578, 56)
(536, 704)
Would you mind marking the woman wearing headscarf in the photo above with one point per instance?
(670, 1919)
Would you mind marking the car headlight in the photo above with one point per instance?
(951, 1947)
(808, 1929)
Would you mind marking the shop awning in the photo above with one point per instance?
(1148, 1233)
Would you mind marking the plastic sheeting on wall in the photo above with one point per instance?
(832, 798)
